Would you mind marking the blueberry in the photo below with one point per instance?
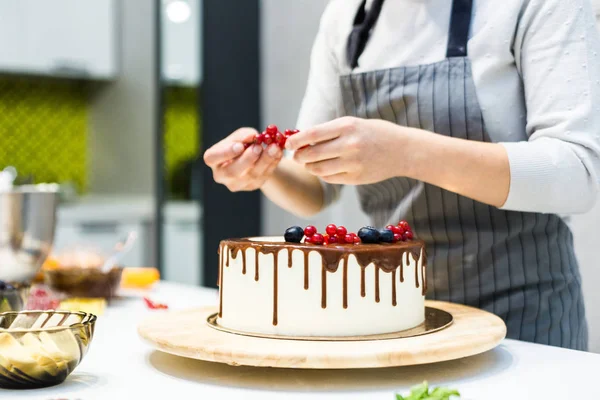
(294, 234)
(368, 235)
(386, 236)
(3, 285)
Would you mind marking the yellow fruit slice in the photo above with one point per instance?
(138, 277)
(94, 306)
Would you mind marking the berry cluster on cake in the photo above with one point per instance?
(331, 284)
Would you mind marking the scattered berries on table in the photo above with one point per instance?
(310, 231)
(294, 234)
(154, 305)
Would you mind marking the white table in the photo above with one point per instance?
(120, 366)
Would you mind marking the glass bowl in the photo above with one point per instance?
(41, 348)
(84, 282)
(13, 297)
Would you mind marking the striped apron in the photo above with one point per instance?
(520, 266)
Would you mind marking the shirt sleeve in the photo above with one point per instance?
(557, 46)
(322, 98)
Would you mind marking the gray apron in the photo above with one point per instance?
(520, 266)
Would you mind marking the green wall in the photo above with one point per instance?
(43, 128)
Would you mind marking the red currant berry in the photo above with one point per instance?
(341, 239)
(331, 229)
(356, 240)
(390, 228)
(307, 239)
(349, 238)
(404, 225)
(280, 139)
(268, 139)
(317, 239)
(325, 238)
(246, 145)
(397, 237)
(294, 131)
(332, 239)
(310, 231)
(408, 235)
(288, 132)
(397, 230)
(341, 231)
(272, 130)
(259, 138)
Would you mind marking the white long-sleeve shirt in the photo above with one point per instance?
(536, 66)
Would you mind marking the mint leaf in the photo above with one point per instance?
(443, 394)
(419, 392)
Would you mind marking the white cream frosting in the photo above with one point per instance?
(248, 305)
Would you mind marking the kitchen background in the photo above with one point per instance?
(80, 104)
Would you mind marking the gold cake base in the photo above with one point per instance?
(187, 334)
(435, 320)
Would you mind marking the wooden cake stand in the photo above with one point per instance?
(187, 334)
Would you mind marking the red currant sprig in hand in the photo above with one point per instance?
(272, 135)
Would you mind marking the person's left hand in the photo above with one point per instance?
(351, 150)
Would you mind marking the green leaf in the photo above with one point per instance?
(444, 393)
(419, 392)
(399, 397)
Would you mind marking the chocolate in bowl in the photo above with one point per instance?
(84, 282)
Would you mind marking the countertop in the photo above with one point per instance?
(120, 366)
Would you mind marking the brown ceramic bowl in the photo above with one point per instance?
(84, 282)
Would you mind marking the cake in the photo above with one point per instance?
(270, 286)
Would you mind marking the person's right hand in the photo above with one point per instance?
(239, 169)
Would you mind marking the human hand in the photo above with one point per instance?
(351, 150)
(240, 168)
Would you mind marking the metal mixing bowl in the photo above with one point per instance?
(27, 225)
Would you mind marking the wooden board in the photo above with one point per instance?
(186, 334)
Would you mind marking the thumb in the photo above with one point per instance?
(229, 148)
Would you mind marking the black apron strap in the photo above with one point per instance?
(460, 23)
(361, 30)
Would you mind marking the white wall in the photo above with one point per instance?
(288, 31)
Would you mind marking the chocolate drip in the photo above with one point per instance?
(394, 286)
(323, 287)
(305, 270)
(363, 291)
(377, 284)
(383, 257)
(345, 283)
(275, 288)
(221, 249)
(244, 261)
(416, 259)
(256, 264)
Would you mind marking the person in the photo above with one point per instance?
(475, 121)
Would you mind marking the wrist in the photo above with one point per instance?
(411, 150)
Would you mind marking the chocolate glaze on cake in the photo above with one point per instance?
(385, 257)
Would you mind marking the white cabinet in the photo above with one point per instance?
(181, 243)
(181, 42)
(59, 37)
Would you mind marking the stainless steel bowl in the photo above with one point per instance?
(27, 225)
